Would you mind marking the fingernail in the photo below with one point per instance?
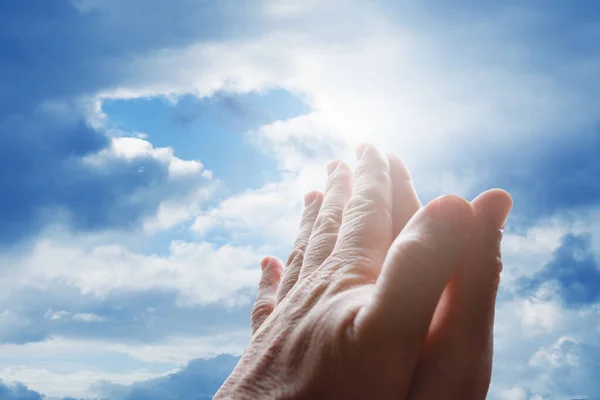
(332, 165)
(264, 263)
(309, 198)
(360, 150)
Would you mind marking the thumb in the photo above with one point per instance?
(480, 274)
(458, 352)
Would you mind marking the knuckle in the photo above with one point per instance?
(369, 202)
(376, 187)
(264, 285)
(361, 204)
(261, 310)
(321, 245)
(285, 288)
(296, 257)
(329, 220)
(306, 227)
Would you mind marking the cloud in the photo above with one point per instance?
(200, 272)
(472, 100)
(243, 215)
(65, 316)
(570, 368)
(57, 58)
(475, 93)
(17, 391)
(401, 112)
(107, 291)
(79, 57)
(229, 109)
(545, 345)
(81, 377)
(47, 164)
(144, 316)
(572, 274)
(51, 386)
(200, 379)
(556, 181)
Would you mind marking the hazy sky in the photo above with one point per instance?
(151, 152)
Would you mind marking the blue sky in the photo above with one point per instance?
(152, 152)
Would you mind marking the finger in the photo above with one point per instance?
(312, 205)
(366, 230)
(267, 289)
(326, 226)
(405, 201)
(458, 352)
(418, 266)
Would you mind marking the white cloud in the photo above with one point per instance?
(268, 216)
(57, 315)
(392, 83)
(88, 317)
(180, 350)
(66, 316)
(538, 339)
(556, 355)
(302, 142)
(76, 383)
(66, 367)
(538, 315)
(175, 351)
(191, 174)
(532, 351)
(288, 8)
(396, 84)
(201, 273)
(409, 88)
(172, 212)
(130, 148)
(514, 393)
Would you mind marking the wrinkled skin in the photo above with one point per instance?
(380, 298)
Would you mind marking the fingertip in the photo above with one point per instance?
(338, 169)
(495, 195)
(271, 268)
(332, 166)
(264, 263)
(398, 168)
(495, 204)
(311, 197)
(360, 149)
(453, 212)
(369, 151)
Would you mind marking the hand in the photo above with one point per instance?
(352, 314)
